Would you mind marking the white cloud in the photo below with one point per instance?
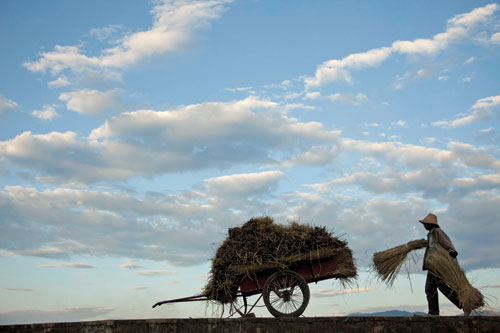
(292, 96)
(243, 185)
(240, 89)
(357, 99)
(480, 111)
(487, 181)
(174, 23)
(400, 123)
(300, 106)
(414, 155)
(487, 102)
(424, 72)
(431, 181)
(57, 157)
(315, 156)
(337, 70)
(96, 216)
(6, 104)
(92, 102)
(466, 79)
(489, 135)
(218, 120)
(477, 209)
(401, 80)
(312, 95)
(382, 213)
(248, 131)
(20, 289)
(67, 264)
(180, 227)
(134, 143)
(476, 115)
(63, 57)
(470, 60)
(394, 151)
(474, 157)
(48, 112)
(495, 38)
(428, 140)
(130, 264)
(474, 17)
(28, 144)
(139, 288)
(487, 131)
(106, 32)
(61, 81)
(458, 28)
(154, 272)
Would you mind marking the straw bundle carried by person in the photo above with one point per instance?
(387, 264)
(442, 265)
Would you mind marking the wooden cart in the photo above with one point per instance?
(285, 292)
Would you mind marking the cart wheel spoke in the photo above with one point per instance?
(275, 301)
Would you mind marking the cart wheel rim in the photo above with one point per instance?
(286, 294)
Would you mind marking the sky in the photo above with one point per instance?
(134, 134)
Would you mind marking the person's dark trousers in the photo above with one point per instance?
(431, 286)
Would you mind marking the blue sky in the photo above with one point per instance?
(133, 135)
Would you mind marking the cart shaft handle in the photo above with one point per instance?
(184, 299)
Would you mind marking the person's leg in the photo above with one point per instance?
(432, 294)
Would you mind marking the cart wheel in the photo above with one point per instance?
(286, 294)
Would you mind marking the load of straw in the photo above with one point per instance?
(388, 263)
(259, 245)
(443, 266)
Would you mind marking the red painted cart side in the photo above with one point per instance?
(312, 271)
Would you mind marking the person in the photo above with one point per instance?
(435, 237)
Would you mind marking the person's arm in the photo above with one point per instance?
(445, 242)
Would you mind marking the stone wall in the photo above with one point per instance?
(263, 325)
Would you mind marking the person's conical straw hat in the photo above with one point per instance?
(430, 219)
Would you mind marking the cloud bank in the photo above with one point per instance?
(458, 28)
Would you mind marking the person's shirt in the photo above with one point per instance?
(435, 237)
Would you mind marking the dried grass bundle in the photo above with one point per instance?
(442, 265)
(259, 244)
(388, 263)
(346, 268)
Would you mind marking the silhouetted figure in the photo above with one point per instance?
(435, 237)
